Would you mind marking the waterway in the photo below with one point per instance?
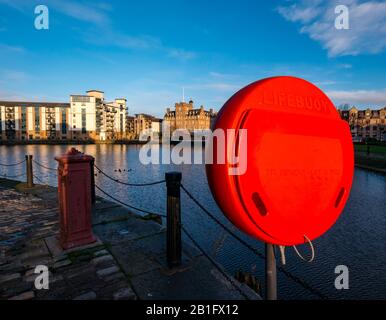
(358, 239)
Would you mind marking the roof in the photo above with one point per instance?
(34, 104)
(148, 116)
(95, 91)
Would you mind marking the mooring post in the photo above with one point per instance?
(270, 272)
(92, 171)
(30, 175)
(173, 233)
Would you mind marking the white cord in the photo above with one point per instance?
(312, 251)
(282, 255)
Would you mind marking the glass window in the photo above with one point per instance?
(37, 119)
(84, 127)
(64, 121)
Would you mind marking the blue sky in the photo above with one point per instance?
(147, 51)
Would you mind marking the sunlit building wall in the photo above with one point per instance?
(366, 124)
(86, 117)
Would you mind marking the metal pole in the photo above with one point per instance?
(30, 176)
(270, 272)
(173, 233)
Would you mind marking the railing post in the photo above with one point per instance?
(92, 171)
(173, 233)
(270, 272)
(30, 175)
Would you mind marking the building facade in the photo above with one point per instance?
(366, 124)
(22, 121)
(185, 116)
(86, 117)
(143, 122)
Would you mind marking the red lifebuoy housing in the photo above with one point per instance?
(300, 162)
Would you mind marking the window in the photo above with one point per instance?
(24, 120)
(37, 119)
(84, 127)
(64, 121)
(82, 99)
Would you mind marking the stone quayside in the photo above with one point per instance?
(127, 263)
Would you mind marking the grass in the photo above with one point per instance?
(378, 149)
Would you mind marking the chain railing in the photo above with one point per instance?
(5, 176)
(125, 204)
(44, 166)
(287, 273)
(173, 217)
(11, 165)
(128, 184)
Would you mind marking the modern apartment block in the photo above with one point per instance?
(86, 117)
(94, 118)
(22, 121)
(143, 122)
(366, 124)
(185, 116)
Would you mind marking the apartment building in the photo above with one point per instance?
(21, 121)
(94, 118)
(366, 124)
(143, 122)
(86, 117)
(185, 116)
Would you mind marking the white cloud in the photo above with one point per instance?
(100, 29)
(89, 13)
(374, 97)
(303, 13)
(214, 86)
(124, 41)
(367, 33)
(181, 54)
(14, 75)
(325, 83)
(345, 66)
(13, 49)
(7, 95)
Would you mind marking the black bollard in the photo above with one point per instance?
(30, 175)
(173, 234)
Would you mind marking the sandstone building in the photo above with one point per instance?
(366, 124)
(185, 116)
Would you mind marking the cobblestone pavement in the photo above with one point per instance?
(127, 263)
(28, 230)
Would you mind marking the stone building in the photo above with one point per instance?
(185, 116)
(366, 124)
(142, 122)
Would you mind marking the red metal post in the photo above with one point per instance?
(75, 199)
